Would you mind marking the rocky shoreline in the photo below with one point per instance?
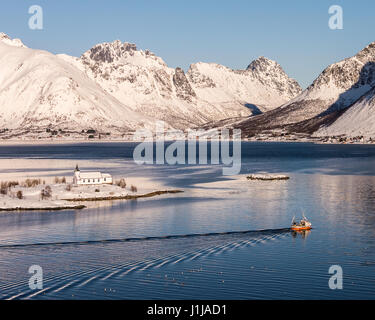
(126, 197)
(59, 208)
(267, 177)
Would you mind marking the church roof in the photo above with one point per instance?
(90, 175)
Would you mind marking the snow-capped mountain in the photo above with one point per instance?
(337, 87)
(115, 86)
(263, 85)
(143, 81)
(39, 89)
(207, 92)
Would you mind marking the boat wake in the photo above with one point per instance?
(104, 241)
(201, 246)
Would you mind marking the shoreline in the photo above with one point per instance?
(101, 141)
(90, 199)
(57, 208)
(267, 177)
(40, 191)
(126, 197)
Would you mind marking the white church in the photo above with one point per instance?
(88, 178)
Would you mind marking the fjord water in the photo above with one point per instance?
(176, 246)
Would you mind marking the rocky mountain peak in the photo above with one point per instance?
(263, 64)
(3, 36)
(110, 51)
(118, 53)
(269, 71)
(367, 54)
(350, 73)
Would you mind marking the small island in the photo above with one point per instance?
(36, 194)
(267, 177)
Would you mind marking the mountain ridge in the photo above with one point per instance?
(118, 87)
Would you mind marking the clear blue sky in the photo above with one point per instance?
(233, 33)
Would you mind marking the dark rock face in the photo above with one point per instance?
(163, 81)
(183, 87)
(198, 79)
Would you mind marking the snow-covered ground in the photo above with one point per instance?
(59, 195)
(67, 196)
(47, 169)
(358, 120)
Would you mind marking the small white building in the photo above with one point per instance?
(87, 178)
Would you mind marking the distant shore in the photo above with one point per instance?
(6, 142)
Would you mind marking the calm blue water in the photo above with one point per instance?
(123, 251)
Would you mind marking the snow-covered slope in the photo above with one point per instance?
(263, 85)
(358, 120)
(39, 89)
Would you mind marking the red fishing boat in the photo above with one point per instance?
(303, 224)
